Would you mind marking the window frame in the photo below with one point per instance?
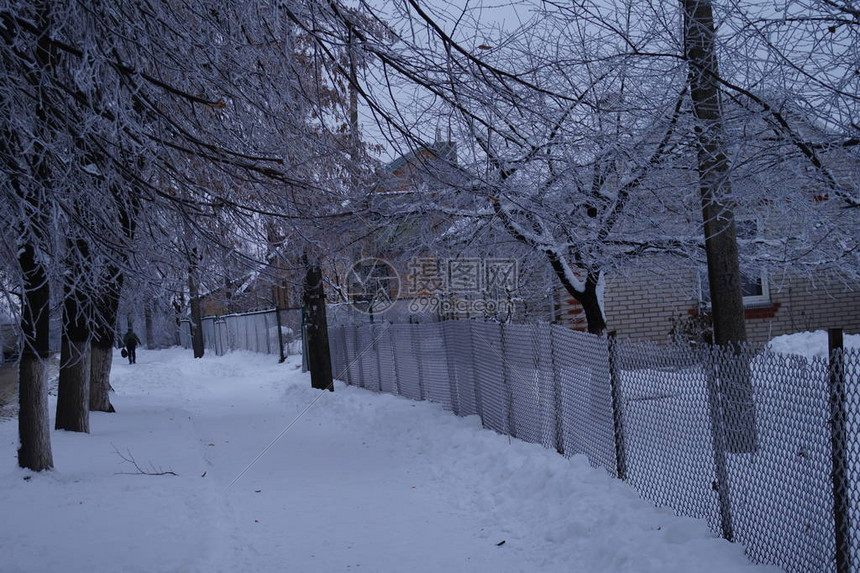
(749, 300)
(763, 299)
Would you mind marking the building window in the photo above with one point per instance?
(754, 284)
(755, 289)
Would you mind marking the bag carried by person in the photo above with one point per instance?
(124, 352)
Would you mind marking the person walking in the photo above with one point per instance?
(131, 341)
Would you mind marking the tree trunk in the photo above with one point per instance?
(148, 330)
(101, 359)
(724, 276)
(177, 322)
(101, 349)
(33, 419)
(319, 357)
(591, 305)
(588, 298)
(73, 392)
(196, 316)
(721, 247)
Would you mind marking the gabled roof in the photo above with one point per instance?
(420, 166)
(440, 150)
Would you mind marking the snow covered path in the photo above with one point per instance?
(359, 482)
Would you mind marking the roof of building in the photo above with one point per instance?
(444, 150)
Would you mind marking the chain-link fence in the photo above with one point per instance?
(403, 310)
(253, 331)
(764, 447)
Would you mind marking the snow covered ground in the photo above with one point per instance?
(810, 344)
(781, 495)
(357, 482)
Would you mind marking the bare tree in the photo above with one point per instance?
(548, 154)
(721, 246)
(73, 391)
(601, 145)
(33, 233)
(185, 107)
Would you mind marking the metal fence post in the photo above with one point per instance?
(839, 442)
(452, 367)
(189, 334)
(394, 361)
(477, 382)
(347, 377)
(222, 334)
(267, 330)
(539, 354)
(338, 360)
(220, 331)
(416, 350)
(279, 324)
(216, 343)
(228, 321)
(714, 356)
(347, 360)
(506, 379)
(334, 347)
(256, 326)
(377, 333)
(247, 346)
(557, 390)
(356, 344)
(614, 383)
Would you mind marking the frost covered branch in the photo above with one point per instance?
(152, 470)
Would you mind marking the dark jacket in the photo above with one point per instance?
(131, 340)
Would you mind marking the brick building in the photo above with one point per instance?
(643, 306)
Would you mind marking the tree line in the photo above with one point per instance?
(142, 141)
(169, 147)
(602, 134)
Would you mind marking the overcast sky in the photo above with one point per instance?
(471, 22)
